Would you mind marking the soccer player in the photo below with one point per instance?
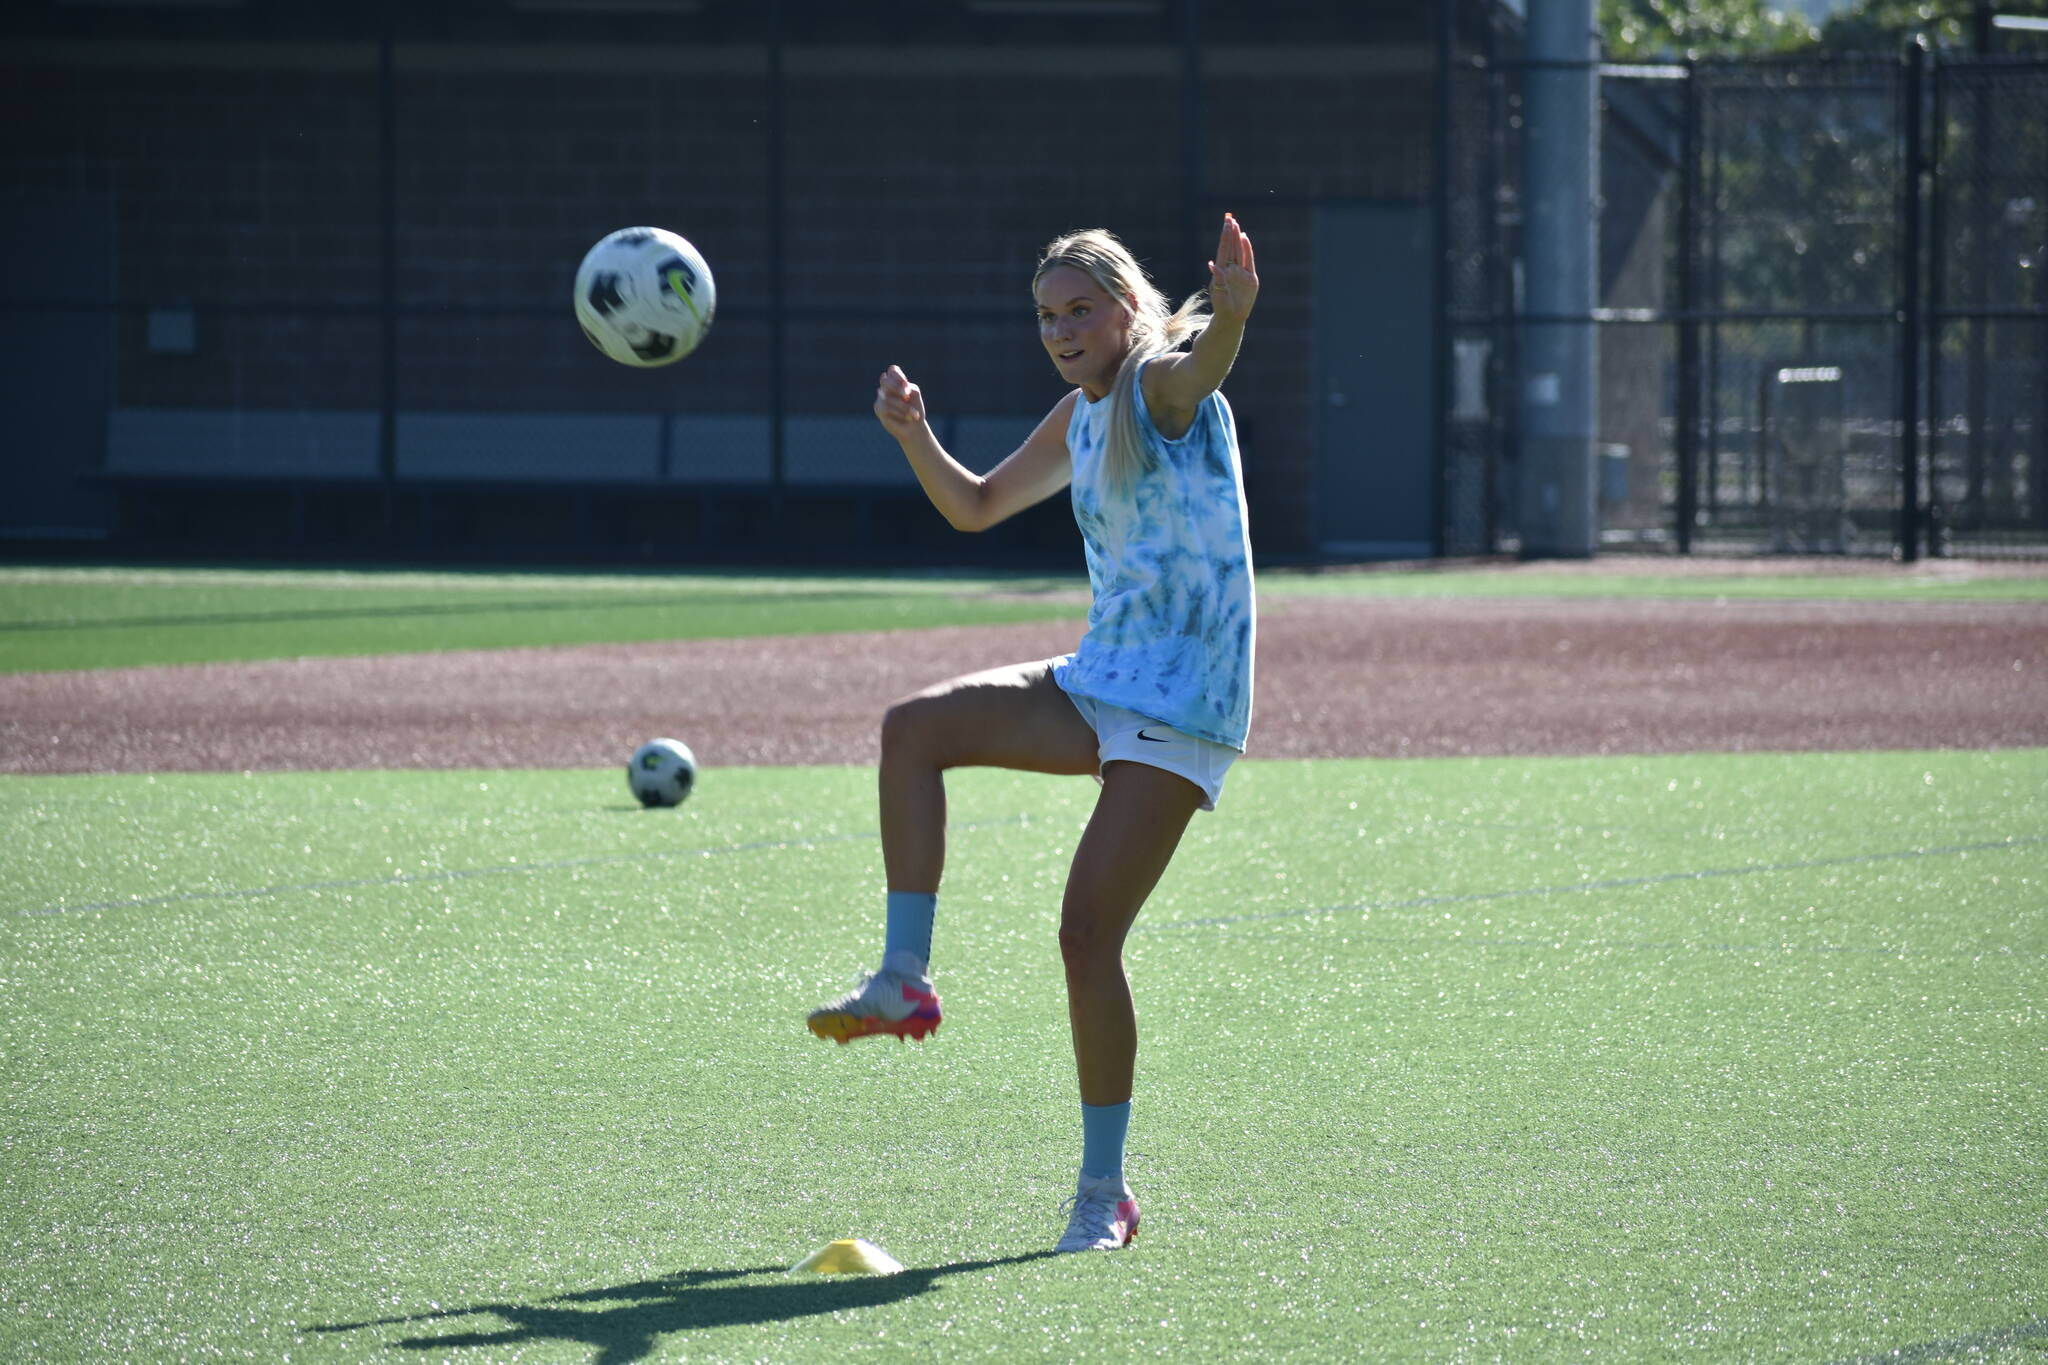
(1156, 700)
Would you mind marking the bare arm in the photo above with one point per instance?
(968, 501)
(1176, 384)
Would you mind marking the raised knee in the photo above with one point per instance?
(903, 728)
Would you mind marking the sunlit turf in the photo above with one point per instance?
(56, 618)
(1686, 1057)
(66, 618)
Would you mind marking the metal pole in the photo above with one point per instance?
(1440, 386)
(1500, 291)
(1688, 325)
(1985, 133)
(1938, 515)
(777, 323)
(1909, 311)
(387, 207)
(1203, 233)
(1711, 394)
(1560, 175)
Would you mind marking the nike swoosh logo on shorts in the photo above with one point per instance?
(1152, 739)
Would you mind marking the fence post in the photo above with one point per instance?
(1440, 286)
(776, 322)
(387, 213)
(1935, 516)
(1195, 227)
(1909, 307)
(1688, 322)
(1559, 396)
(1500, 293)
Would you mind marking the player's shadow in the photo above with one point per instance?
(643, 1312)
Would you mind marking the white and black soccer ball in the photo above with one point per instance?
(645, 297)
(661, 772)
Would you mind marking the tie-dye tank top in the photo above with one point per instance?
(1169, 560)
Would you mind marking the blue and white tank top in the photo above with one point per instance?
(1170, 633)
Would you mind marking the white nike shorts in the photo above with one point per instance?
(1125, 735)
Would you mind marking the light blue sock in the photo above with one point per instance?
(1103, 1130)
(910, 926)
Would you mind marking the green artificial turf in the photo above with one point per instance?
(111, 618)
(1715, 1058)
(67, 618)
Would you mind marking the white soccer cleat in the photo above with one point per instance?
(887, 1001)
(1104, 1217)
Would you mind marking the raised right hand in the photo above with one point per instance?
(899, 404)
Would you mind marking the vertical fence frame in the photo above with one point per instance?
(1686, 432)
(1971, 468)
(1912, 331)
(778, 359)
(1898, 457)
(1445, 337)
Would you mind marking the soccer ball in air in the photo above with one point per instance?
(661, 772)
(644, 297)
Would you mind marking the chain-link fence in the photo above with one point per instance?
(1482, 243)
(1821, 322)
(1797, 252)
(1987, 319)
(301, 273)
(309, 265)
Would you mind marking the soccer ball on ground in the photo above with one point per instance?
(661, 772)
(644, 297)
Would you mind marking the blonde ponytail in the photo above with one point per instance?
(1154, 332)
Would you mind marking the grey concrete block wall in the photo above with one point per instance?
(246, 442)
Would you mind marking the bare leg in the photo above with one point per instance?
(1138, 822)
(1015, 717)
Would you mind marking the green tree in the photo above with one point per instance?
(1656, 30)
(1888, 25)
(1662, 30)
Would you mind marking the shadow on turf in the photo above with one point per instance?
(684, 1302)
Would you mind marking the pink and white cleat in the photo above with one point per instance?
(887, 1001)
(1105, 1216)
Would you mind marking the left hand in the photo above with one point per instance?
(1233, 275)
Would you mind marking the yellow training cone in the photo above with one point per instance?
(849, 1256)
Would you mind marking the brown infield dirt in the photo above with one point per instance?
(1337, 677)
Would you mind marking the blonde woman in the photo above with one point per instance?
(1155, 702)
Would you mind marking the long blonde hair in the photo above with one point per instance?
(1154, 331)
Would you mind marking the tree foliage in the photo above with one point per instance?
(1888, 25)
(1650, 30)
(1662, 30)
